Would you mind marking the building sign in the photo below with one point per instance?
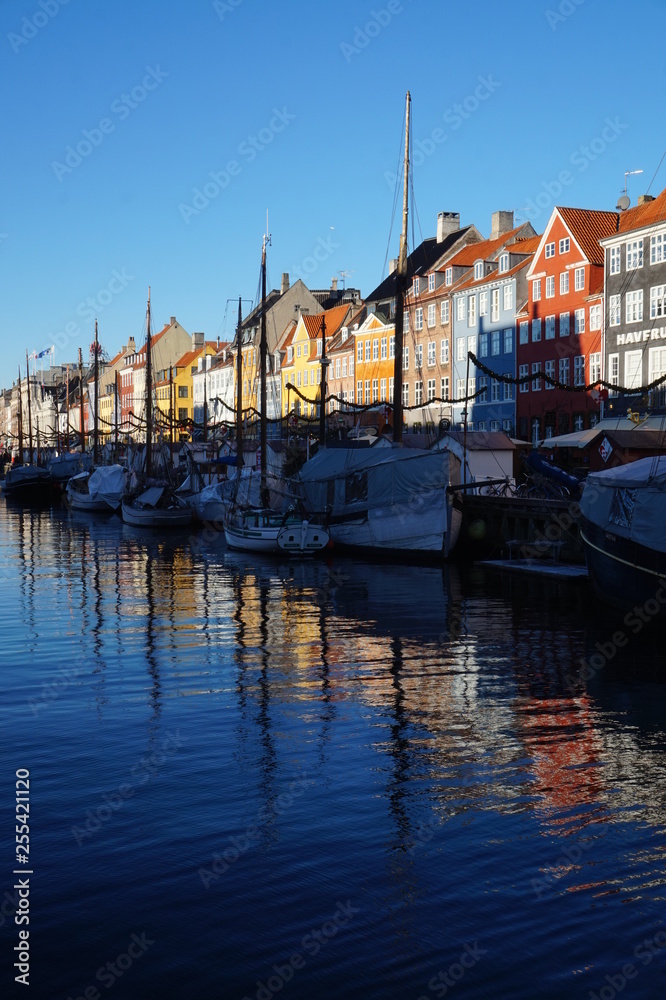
(605, 449)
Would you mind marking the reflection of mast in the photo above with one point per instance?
(27, 364)
(156, 691)
(328, 710)
(267, 762)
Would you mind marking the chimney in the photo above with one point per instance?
(209, 358)
(447, 223)
(393, 265)
(284, 284)
(645, 199)
(131, 346)
(502, 222)
(197, 341)
(334, 284)
(173, 321)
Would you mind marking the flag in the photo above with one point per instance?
(48, 350)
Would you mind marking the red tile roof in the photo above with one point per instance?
(588, 226)
(334, 320)
(644, 215)
(530, 245)
(467, 255)
(468, 281)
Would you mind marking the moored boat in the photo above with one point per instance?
(156, 507)
(101, 490)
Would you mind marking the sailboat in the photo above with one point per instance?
(157, 506)
(387, 499)
(26, 481)
(260, 528)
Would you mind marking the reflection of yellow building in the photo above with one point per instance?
(301, 363)
(181, 387)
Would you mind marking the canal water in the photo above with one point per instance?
(252, 778)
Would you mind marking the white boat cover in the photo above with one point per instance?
(151, 496)
(629, 501)
(107, 483)
(350, 479)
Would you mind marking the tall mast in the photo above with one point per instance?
(400, 283)
(322, 396)
(27, 365)
(239, 390)
(67, 411)
(20, 419)
(205, 406)
(82, 427)
(115, 407)
(262, 362)
(171, 409)
(95, 410)
(149, 391)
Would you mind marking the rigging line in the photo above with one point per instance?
(656, 172)
(398, 177)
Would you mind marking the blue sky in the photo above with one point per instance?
(296, 108)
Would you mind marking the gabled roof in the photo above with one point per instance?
(467, 255)
(530, 245)
(419, 261)
(467, 281)
(643, 215)
(334, 320)
(588, 226)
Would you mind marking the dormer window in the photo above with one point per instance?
(431, 282)
(448, 276)
(478, 270)
(416, 286)
(345, 334)
(503, 263)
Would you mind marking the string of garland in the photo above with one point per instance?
(521, 380)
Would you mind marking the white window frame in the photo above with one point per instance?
(524, 332)
(565, 244)
(615, 310)
(483, 303)
(634, 306)
(595, 316)
(579, 321)
(444, 312)
(615, 260)
(633, 369)
(635, 254)
(565, 324)
(508, 298)
(657, 302)
(536, 330)
(564, 282)
(536, 290)
(549, 250)
(550, 286)
(460, 308)
(444, 351)
(550, 328)
(549, 369)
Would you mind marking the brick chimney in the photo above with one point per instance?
(502, 222)
(284, 284)
(131, 346)
(197, 341)
(645, 199)
(172, 321)
(447, 223)
(334, 284)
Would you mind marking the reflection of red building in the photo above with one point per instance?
(560, 329)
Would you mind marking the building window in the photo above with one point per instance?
(495, 391)
(418, 356)
(405, 359)
(549, 369)
(471, 310)
(633, 365)
(390, 390)
(483, 345)
(182, 391)
(432, 314)
(418, 319)
(524, 333)
(431, 389)
(564, 324)
(375, 390)
(471, 386)
(367, 391)
(391, 347)
(634, 254)
(482, 425)
(460, 349)
(298, 353)
(508, 341)
(579, 279)
(495, 343)
(579, 321)
(550, 287)
(536, 290)
(383, 348)
(483, 303)
(523, 372)
(483, 389)
(536, 382)
(550, 250)
(508, 296)
(448, 276)
(405, 321)
(405, 393)
(503, 263)
(657, 244)
(375, 349)
(416, 286)
(444, 310)
(657, 301)
(536, 330)
(382, 390)
(550, 327)
(337, 367)
(564, 371)
(460, 389)
(478, 270)
(344, 368)
(615, 310)
(579, 370)
(359, 391)
(182, 413)
(508, 389)
(494, 305)
(359, 351)
(614, 371)
(635, 306)
(444, 352)
(595, 317)
(290, 355)
(351, 366)
(460, 307)
(565, 245)
(432, 353)
(368, 348)
(445, 388)
(564, 282)
(615, 260)
(431, 282)
(595, 367)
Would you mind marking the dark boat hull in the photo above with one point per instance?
(623, 572)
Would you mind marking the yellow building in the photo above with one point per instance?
(301, 351)
(176, 391)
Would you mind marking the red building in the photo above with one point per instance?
(560, 327)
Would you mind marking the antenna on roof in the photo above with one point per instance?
(624, 202)
(344, 275)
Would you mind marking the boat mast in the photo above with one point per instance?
(95, 412)
(67, 409)
(262, 362)
(149, 391)
(83, 433)
(27, 365)
(400, 284)
(171, 409)
(115, 407)
(322, 396)
(20, 420)
(205, 406)
(239, 391)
